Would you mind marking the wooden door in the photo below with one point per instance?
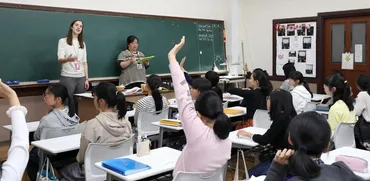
(341, 35)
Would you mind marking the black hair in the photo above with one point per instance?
(309, 133)
(154, 82)
(59, 90)
(288, 68)
(335, 72)
(342, 92)
(214, 78)
(210, 106)
(363, 82)
(297, 75)
(131, 39)
(281, 105)
(262, 77)
(108, 92)
(201, 84)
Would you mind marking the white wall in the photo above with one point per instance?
(256, 22)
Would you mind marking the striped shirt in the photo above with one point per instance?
(147, 104)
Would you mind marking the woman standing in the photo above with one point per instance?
(72, 56)
(133, 73)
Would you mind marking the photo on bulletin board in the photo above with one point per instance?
(296, 43)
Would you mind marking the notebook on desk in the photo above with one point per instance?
(125, 166)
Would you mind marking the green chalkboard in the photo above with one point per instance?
(29, 38)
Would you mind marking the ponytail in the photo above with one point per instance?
(302, 165)
(305, 85)
(347, 96)
(264, 83)
(71, 107)
(157, 99)
(222, 126)
(121, 105)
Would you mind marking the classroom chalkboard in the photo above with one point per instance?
(29, 39)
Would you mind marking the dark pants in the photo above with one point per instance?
(33, 164)
(74, 86)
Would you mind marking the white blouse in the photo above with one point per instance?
(18, 154)
(72, 69)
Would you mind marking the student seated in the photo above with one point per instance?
(255, 96)
(309, 134)
(12, 169)
(288, 68)
(362, 108)
(301, 93)
(109, 126)
(154, 101)
(281, 111)
(213, 77)
(205, 125)
(326, 86)
(199, 85)
(342, 109)
(61, 115)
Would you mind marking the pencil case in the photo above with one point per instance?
(354, 163)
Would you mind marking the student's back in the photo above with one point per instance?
(205, 125)
(154, 102)
(301, 93)
(214, 78)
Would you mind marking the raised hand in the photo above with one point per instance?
(172, 54)
(9, 94)
(282, 157)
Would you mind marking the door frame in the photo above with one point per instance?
(321, 38)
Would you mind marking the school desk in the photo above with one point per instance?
(87, 110)
(160, 160)
(57, 145)
(329, 158)
(319, 97)
(32, 126)
(243, 141)
(164, 128)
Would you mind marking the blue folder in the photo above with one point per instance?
(125, 166)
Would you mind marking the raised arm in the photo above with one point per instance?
(18, 154)
(191, 123)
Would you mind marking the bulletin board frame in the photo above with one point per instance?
(310, 70)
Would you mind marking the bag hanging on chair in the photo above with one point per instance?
(46, 174)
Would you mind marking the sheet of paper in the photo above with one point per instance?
(347, 61)
(358, 53)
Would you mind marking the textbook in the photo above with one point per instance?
(145, 59)
(125, 166)
(170, 122)
(233, 111)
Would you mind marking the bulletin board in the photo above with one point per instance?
(295, 42)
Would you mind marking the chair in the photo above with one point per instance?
(145, 119)
(97, 152)
(261, 119)
(310, 106)
(48, 133)
(218, 175)
(344, 135)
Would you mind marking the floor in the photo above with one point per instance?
(230, 173)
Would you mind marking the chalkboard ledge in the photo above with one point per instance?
(33, 88)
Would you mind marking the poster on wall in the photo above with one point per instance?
(296, 43)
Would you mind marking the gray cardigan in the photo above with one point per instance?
(338, 171)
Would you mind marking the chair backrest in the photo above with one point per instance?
(48, 133)
(218, 175)
(145, 119)
(310, 106)
(97, 152)
(261, 119)
(344, 135)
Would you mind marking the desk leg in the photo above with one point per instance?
(160, 142)
(41, 157)
(109, 177)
